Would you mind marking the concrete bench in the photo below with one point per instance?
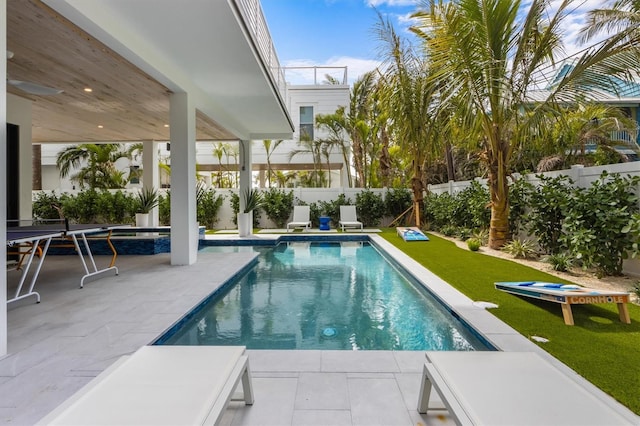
(511, 389)
(161, 385)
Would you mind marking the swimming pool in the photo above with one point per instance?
(323, 295)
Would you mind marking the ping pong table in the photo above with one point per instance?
(40, 237)
(31, 236)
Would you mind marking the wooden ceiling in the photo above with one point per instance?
(124, 104)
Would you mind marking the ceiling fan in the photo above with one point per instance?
(32, 88)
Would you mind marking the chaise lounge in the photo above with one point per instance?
(348, 218)
(161, 385)
(301, 218)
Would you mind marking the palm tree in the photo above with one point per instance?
(489, 56)
(99, 172)
(358, 119)
(335, 125)
(409, 96)
(269, 147)
(622, 18)
(313, 147)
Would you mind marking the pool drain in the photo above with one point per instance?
(329, 332)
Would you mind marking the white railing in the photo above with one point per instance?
(315, 74)
(251, 11)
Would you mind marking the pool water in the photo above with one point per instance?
(343, 296)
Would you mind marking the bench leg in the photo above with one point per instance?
(247, 387)
(624, 313)
(567, 314)
(425, 392)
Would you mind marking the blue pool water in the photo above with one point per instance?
(304, 295)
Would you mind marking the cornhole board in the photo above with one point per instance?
(568, 295)
(411, 234)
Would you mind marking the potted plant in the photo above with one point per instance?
(146, 200)
(252, 200)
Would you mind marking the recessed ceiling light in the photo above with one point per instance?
(100, 126)
(166, 125)
(88, 89)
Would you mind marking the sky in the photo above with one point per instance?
(341, 32)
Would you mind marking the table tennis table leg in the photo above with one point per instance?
(90, 256)
(25, 272)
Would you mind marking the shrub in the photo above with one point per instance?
(464, 233)
(520, 249)
(278, 205)
(439, 210)
(332, 208)
(482, 235)
(547, 211)
(595, 220)
(474, 244)
(471, 207)
(370, 207)
(208, 207)
(397, 201)
(449, 230)
(164, 209)
(82, 208)
(44, 206)
(519, 199)
(560, 261)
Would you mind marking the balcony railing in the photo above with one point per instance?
(251, 11)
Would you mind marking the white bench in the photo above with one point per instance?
(510, 388)
(161, 385)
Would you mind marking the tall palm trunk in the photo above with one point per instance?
(499, 190)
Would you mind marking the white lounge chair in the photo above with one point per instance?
(348, 218)
(161, 385)
(510, 388)
(301, 218)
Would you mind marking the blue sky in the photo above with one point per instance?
(340, 32)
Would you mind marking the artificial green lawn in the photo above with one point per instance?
(598, 347)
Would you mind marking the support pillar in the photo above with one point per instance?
(3, 188)
(150, 174)
(184, 232)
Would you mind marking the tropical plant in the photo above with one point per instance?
(253, 200)
(95, 164)
(397, 203)
(314, 148)
(520, 249)
(474, 244)
(164, 209)
(46, 206)
(489, 53)
(335, 125)
(208, 206)
(594, 225)
(560, 261)
(278, 205)
(370, 207)
(146, 200)
(269, 147)
(410, 96)
(548, 206)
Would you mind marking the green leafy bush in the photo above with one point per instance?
(449, 230)
(439, 210)
(595, 220)
(370, 208)
(278, 205)
(519, 199)
(208, 207)
(397, 201)
(332, 208)
(471, 207)
(548, 204)
(164, 209)
(43, 206)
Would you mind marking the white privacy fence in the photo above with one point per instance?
(582, 176)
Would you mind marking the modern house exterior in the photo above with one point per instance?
(138, 71)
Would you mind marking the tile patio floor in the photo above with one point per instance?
(60, 344)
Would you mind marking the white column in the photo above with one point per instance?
(150, 174)
(3, 186)
(184, 234)
(245, 169)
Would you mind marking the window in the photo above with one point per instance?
(306, 122)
